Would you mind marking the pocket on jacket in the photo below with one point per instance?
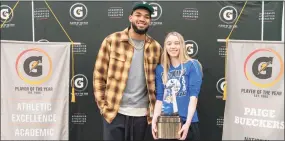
(116, 65)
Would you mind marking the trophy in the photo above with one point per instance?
(169, 124)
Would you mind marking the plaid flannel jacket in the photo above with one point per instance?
(111, 72)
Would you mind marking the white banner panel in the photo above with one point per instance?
(34, 90)
(255, 91)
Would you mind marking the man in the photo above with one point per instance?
(124, 78)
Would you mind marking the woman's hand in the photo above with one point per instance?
(154, 128)
(184, 130)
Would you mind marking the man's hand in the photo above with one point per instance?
(100, 109)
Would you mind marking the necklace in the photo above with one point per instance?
(136, 46)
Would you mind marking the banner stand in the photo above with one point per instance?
(248, 41)
(15, 41)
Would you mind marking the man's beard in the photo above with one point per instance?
(139, 31)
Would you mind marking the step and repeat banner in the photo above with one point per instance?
(89, 22)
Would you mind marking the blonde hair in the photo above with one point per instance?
(165, 59)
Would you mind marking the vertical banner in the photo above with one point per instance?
(34, 90)
(255, 91)
(190, 18)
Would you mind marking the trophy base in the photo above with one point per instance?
(168, 127)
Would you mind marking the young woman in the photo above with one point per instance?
(178, 82)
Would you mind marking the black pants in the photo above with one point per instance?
(193, 133)
(125, 128)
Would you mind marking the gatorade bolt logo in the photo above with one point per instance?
(78, 11)
(34, 66)
(263, 68)
(228, 14)
(191, 48)
(5, 11)
(221, 85)
(157, 11)
(80, 82)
